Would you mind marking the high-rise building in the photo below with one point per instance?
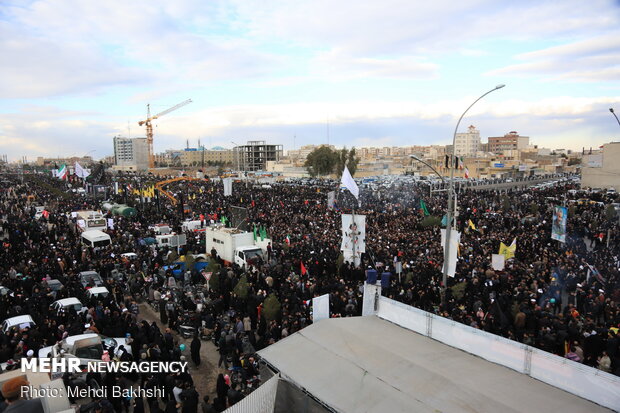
(131, 154)
(467, 144)
(509, 142)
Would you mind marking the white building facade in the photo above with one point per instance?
(467, 144)
(131, 154)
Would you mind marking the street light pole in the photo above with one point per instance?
(415, 158)
(449, 214)
(615, 116)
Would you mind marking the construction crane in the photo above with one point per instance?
(149, 126)
(160, 186)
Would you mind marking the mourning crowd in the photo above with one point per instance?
(559, 297)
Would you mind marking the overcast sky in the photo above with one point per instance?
(379, 73)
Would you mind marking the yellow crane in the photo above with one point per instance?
(149, 127)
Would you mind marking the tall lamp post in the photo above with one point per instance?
(415, 158)
(615, 116)
(449, 214)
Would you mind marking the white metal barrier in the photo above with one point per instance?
(261, 400)
(583, 381)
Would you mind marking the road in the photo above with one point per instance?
(205, 375)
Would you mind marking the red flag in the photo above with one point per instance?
(303, 269)
(253, 204)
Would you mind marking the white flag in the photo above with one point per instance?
(348, 182)
(80, 172)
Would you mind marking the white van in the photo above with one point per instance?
(66, 304)
(21, 321)
(97, 292)
(194, 225)
(160, 229)
(96, 239)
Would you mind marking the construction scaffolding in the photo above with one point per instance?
(255, 154)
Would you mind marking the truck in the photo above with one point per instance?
(119, 209)
(171, 240)
(235, 245)
(89, 220)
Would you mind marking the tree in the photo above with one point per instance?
(610, 212)
(321, 161)
(352, 161)
(347, 158)
(241, 289)
(271, 307)
(324, 161)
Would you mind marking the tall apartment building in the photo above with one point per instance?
(467, 144)
(131, 154)
(509, 142)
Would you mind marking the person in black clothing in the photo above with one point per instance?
(189, 398)
(195, 350)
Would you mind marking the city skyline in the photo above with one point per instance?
(392, 73)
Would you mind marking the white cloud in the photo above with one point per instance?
(57, 47)
(335, 65)
(593, 59)
(401, 26)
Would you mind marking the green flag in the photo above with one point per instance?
(263, 233)
(423, 208)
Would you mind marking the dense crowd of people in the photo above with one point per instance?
(560, 297)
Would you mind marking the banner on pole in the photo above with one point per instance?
(450, 262)
(558, 223)
(498, 261)
(227, 186)
(331, 199)
(353, 233)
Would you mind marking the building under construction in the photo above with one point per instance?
(254, 155)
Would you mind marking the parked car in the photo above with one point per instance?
(66, 304)
(87, 347)
(53, 285)
(21, 321)
(90, 279)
